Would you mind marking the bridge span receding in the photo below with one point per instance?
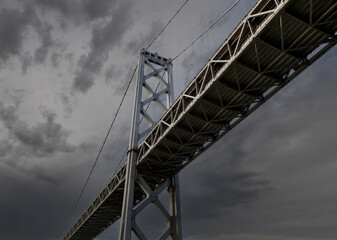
(276, 41)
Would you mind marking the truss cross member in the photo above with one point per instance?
(159, 70)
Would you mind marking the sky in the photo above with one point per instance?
(64, 66)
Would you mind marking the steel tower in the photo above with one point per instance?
(152, 68)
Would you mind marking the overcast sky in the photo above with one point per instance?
(63, 68)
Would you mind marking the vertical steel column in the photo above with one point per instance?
(126, 216)
(174, 189)
(174, 192)
(156, 65)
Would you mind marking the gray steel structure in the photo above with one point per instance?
(160, 69)
(275, 42)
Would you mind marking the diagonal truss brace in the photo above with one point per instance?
(160, 69)
(171, 217)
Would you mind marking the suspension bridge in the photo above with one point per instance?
(275, 42)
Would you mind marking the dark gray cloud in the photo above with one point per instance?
(13, 24)
(44, 30)
(40, 140)
(94, 10)
(219, 182)
(143, 40)
(117, 77)
(68, 102)
(14, 27)
(5, 148)
(115, 21)
(112, 73)
(13, 95)
(78, 11)
(34, 207)
(220, 191)
(63, 6)
(26, 61)
(192, 61)
(104, 38)
(55, 59)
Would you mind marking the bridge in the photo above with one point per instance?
(275, 42)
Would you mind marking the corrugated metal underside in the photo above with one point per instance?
(264, 53)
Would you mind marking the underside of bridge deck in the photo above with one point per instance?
(276, 41)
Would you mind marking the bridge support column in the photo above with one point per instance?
(174, 192)
(160, 69)
(127, 209)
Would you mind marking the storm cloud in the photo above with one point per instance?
(15, 25)
(104, 39)
(143, 40)
(11, 44)
(78, 11)
(40, 140)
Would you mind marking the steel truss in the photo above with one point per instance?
(248, 95)
(172, 217)
(276, 41)
(128, 224)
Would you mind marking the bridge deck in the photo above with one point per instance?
(276, 41)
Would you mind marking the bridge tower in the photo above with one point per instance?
(152, 68)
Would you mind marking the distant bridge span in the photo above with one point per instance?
(275, 42)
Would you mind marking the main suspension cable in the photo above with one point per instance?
(166, 25)
(206, 30)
